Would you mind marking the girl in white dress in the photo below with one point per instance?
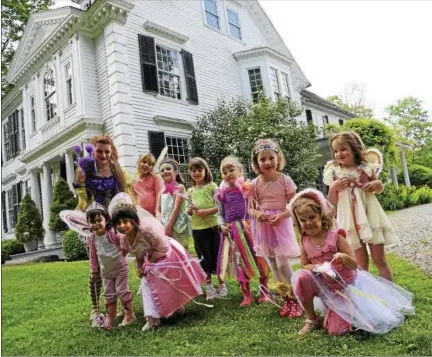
(353, 183)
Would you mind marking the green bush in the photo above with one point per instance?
(29, 224)
(10, 247)
(73, 248)
(397, 198)
(419, 175)
(421, 196)
(63, 199)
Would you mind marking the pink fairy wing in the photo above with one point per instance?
(77, 221)
(147, 219)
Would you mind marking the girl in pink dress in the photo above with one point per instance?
(147, 186)
(170, 277)
(351, 297)
(272, 226)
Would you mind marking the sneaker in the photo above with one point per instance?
(150, 325)
(223, 291)
(94, 313)
(211, 292)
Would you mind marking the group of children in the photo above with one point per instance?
(250, 225)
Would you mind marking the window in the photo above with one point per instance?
(275, 82)
(325, 119)
(256, 84)
(341, 122)
(69, 94)
(50, 95)
(309, 116)
(234, 24)
(168, 72)
(211, 13)
(7, 141)
(13, 205)
(178, 150)
(12, 136)
(33, 112)
(285, 80)
(4, 214)
(23, 140)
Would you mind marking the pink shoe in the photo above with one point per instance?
(247, 297)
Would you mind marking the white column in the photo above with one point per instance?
(60, 87)
(39, 100)
(69, 169)
(26, 116)
(404, 167)
(50, 239)
(55, 172)
(394, 176)
(77, 76)
(35, 193)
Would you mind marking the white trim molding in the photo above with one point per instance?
(168, 121)
(262, 51)
(165, 32)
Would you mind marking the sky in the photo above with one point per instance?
(385, 46)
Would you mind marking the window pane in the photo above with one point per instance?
(211, 6)
(168, 72)
(235, 32)
(233, 18)
(256, 83)
(212, 20)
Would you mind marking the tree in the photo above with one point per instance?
(29, 224)
(15, 15)
(353, 100)
(63, 199)
(412, 123)
(233, 127)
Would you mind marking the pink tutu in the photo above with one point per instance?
(174, 280)
(272, 241)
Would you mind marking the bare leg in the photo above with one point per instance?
(362, 257)
(380, 261)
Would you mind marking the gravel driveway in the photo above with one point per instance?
(414, 228)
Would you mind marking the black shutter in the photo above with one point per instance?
(3, 203)
(20, 190)
(17, 189)
(309, 116)
(147, 55)
(156, 142)
(190, 77)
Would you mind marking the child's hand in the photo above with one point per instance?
(140, 272)
(275, 220)
(189, 211)
(340, 184)
(261, 216)
(169, 230)
(193, 208)
(224, 229)
(372, 186)
(340, 258)
(200, 213)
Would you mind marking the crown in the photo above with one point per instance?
(170, 161)
(96, 206)
(120, 200)
(265, 144)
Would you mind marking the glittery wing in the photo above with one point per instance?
(375, 159)
(147, 219)
(77, 221)
(118, 199)
(159, 159)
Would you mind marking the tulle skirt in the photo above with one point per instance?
(272, 241)
(370, 303)
(171, 282)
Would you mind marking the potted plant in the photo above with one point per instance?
(29, 229)
(63, 199)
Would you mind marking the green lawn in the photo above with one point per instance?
(45, 312)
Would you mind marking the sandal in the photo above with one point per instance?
(128, 320)
(309, 326)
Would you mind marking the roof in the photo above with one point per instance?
(310, 97)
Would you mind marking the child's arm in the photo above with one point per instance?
(94, 263)
(139, 266)
(208, 211)
(158, 207)
(304, 260)
(374, 185)
(221, 219)
(159, 184)
(336, 187)
(175, 212)
(345, 254)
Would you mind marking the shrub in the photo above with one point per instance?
(10, 247)
(29, 224)
(63, 199)
(419, 175)
(73, 248)
(397, 198)
(421, 196)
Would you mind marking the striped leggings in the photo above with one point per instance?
(95, 287)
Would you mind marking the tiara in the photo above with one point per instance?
(96, 206)
(265, 144)
(170, 161)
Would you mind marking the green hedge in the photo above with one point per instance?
(397, 198)
(73, 248)
(419, 175)
(10, 247)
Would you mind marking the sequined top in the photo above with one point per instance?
(232, 205)
(102, 189)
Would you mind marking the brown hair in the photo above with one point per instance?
(199, 163)
(175, 165)
(256, 150)
(354, 141)
(118, 173)
(231, 161)
(326, 218)
(150, 158)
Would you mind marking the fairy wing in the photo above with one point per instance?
(160, 158)
(77, 221)
(375, 158)
(147, 219)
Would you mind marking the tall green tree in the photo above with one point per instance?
(412, 122)
(15, 15)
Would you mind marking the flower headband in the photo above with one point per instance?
(326, 206)
(265, 144)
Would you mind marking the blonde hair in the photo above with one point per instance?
(269, 145)
(150, 158)
(230, 161)
(302, 202)
(354, 141)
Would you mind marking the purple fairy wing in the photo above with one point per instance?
(77, 221)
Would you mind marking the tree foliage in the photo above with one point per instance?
(15, 15)
(353, 100)
(232, 128)
(29, 224)
(63, 199)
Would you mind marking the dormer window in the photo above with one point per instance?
(211, 13)
(234, 24)
(50, 94)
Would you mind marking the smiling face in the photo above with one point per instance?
(310, 220)
(98, 225)
(168, 172)
(267, 161)
(197, 174)
(343, 152)
(102, 153)
(230, 173)
(146, 166)
(125, 226)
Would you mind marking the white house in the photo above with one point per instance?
(140, 71)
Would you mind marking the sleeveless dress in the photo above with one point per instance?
(147, 191)
(357, 298)
(359, 213)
